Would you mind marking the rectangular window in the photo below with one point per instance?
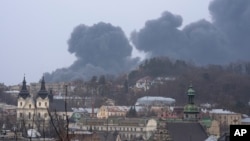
(29, 115)
(21, 114)
(45, 115)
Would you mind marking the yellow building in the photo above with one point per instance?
(225, 117)
(112, 111)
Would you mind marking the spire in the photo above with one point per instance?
(43, 84)
(191, 94)
(24, 87)
(43, 93)
(24, 91)
(191, 111)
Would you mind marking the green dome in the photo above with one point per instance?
(191, 108)
(191, 91)
(76, 116)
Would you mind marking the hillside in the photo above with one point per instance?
(226, 86)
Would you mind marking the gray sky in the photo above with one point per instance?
(34, 34)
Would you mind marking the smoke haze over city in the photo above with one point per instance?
(104, 46)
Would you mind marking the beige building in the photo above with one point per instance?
(128, 128)
(225, 117)
(112, 111)
(31, 111)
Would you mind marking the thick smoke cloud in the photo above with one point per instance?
(206, 44)
(100, 49)
(224, 39)
(104, 49)
(161, 37)
(232, 17)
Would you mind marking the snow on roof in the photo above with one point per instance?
(220, 111)
(12, 92)
(153, 99)
(211, 138)
(246, 120)
(117, 108)
(88, 110)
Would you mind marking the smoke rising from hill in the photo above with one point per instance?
(104, 49)
(224, 39)
(100, 49)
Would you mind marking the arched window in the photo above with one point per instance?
(29, 105)
(21, 103)
(39, 104)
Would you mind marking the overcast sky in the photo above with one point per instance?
(34, 34)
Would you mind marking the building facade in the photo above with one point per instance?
(127, 128)
(112, 111)
(32, 111)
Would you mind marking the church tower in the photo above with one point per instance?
(191, 111)
(42, 102)
(25, 107)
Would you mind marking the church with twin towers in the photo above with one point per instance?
(33, 111)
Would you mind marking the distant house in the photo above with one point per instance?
(144, 83)
(225, 117)
(112, 111)
(162, 80)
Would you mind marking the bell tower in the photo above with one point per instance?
(191, 111)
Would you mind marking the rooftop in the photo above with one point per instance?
(181, 131)
(220, 111)
(153, 99)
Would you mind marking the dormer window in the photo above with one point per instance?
(39, 104)
(21, 104)
(30, 106)
(46, 104)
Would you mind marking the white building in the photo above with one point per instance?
(144, 83)
(155, 100)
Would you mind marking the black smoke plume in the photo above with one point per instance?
(100, 49)
(225, 39)
(104, 49)
(232, 17)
